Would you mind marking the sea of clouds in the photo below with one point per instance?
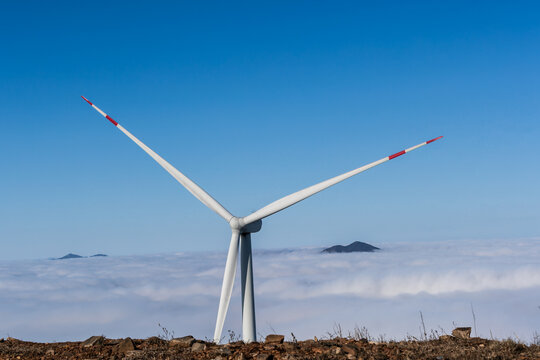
(297, 290)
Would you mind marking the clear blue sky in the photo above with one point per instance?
(257, 100)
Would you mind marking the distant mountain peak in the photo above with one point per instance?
(356, 246)
(75, 256)
(70, 256)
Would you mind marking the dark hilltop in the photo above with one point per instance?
(356, 246)
(75, 256)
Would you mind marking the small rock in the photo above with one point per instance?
(462, 332)
(185, 341)
(289, 357)
(265, 357)
(9, 338)
(198, 346)
(125, 345)
(224, 351)
(350, 349)
(288, 346)
(93, 341)
(154, 340)
(133, 353)
(49, 352)
(445, 337)
(241, 356)
(337, 350)
(275, 339)
(519, 348)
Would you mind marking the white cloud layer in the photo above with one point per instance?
(300, 291)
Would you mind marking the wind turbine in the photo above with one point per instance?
(243, 227)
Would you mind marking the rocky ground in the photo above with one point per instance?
(98, 347)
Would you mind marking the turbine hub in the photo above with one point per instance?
(237, 224)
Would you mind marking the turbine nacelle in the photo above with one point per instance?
(239, 225)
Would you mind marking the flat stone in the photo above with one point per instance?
(462, 332)
(134, 353)
(49, 352)
(275, 339)
(198, 346)
(154, 340)
(350, 349)
(289, 346)
(224, 351)
(265, 357)
(445, 337)
(125, 345)
(185, 341)
(93, 341)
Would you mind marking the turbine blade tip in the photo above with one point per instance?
(85, 99)
(432, 140)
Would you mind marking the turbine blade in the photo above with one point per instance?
(298, 196)
(227, 286)
(193, 188)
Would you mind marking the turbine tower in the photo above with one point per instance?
(243, 227)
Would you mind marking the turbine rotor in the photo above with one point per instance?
(238, 224)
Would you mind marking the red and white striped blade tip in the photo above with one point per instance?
(88, 101)
(432, 140)
(101, 112)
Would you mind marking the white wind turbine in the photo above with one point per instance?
(243, 227)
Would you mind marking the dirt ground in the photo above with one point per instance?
(98, 347)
